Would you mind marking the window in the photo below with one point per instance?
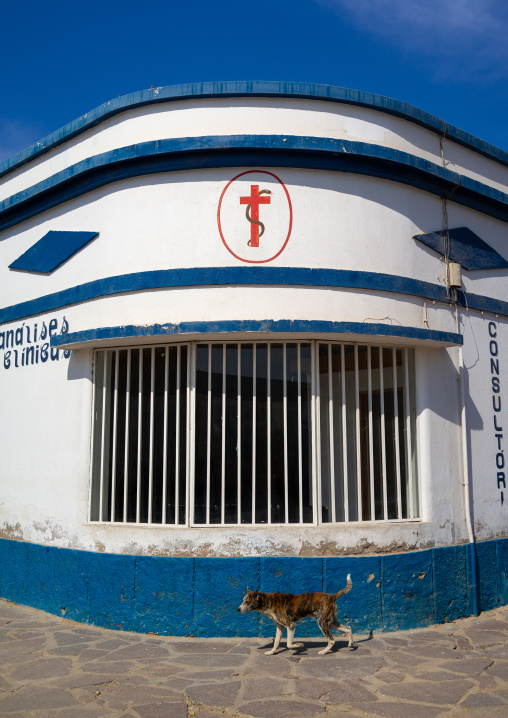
(254, 433)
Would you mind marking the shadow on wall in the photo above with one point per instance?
(199, 596)
(80, 365)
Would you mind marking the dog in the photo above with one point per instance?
(286, 609)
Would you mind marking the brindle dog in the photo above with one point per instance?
(286, 609)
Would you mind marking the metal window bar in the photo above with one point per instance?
(331, 442)
(344, 433)
(127, 427)
(285, 415)
(409, 453)
(150, 460)
(358, 447)
(103, 435)
(254, 407)
(397, 438)
(300, 429)
(116, 355)
(109, 423)
(208, 433)
(177, 431)
(165, 439)
(383, 434)
(223, 439)
(140, 426)
(239, 436)
(268, 431)
(371, 436)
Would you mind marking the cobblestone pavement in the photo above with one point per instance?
(54, 668)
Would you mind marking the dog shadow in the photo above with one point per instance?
(339, 645)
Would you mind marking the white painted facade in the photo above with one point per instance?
(168, 220)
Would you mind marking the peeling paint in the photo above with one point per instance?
(11, 531)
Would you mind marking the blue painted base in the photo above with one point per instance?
(199, 596)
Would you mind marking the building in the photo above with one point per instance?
(253, 334)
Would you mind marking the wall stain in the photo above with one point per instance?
(362, 548)
(11, 531)
(99, 546)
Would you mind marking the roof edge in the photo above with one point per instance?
(301, 90)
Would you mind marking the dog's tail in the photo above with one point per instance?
(344, 590)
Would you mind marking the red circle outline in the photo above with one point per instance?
(256, 261)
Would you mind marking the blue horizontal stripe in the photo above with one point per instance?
(294, 90)
(151, 593)
(224, 276)
(266, 325)
(188, 153)
(217, 276)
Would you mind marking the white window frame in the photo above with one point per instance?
(317, 432)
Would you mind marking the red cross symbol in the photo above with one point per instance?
(254, 201)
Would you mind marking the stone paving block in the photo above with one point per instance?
(437, 676)
(158, 710)
(473, 666)
(220, 660)
(491, 625)
(136, 652)
(70, 650)
(41, 668)
(349, 692)
(487, 575)
(90, 654)
(479, 700)
(361, 607)
(30, 698)
(65, 638)
(121, 696)
(215, 695)
(21, 651)
(109, 667)
(452, 597)
(290, 575)
(497, 651)
(276, 666)
(202, 646)
(88, 711)
(408, 590)
(399, 710)
(430, 651)
(442, 693)
(493, 712)
(264, 688)
(312, 688)
(78, 680)
(218, 576)
(164, 595)
(280, 709)
(343, 668)
(395, 641)
(390, 677)
(484, 639)
(111, 644)
(499, 669)
(219, 674)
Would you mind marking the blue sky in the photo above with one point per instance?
(61, 59)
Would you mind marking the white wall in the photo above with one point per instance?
(169, 221)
